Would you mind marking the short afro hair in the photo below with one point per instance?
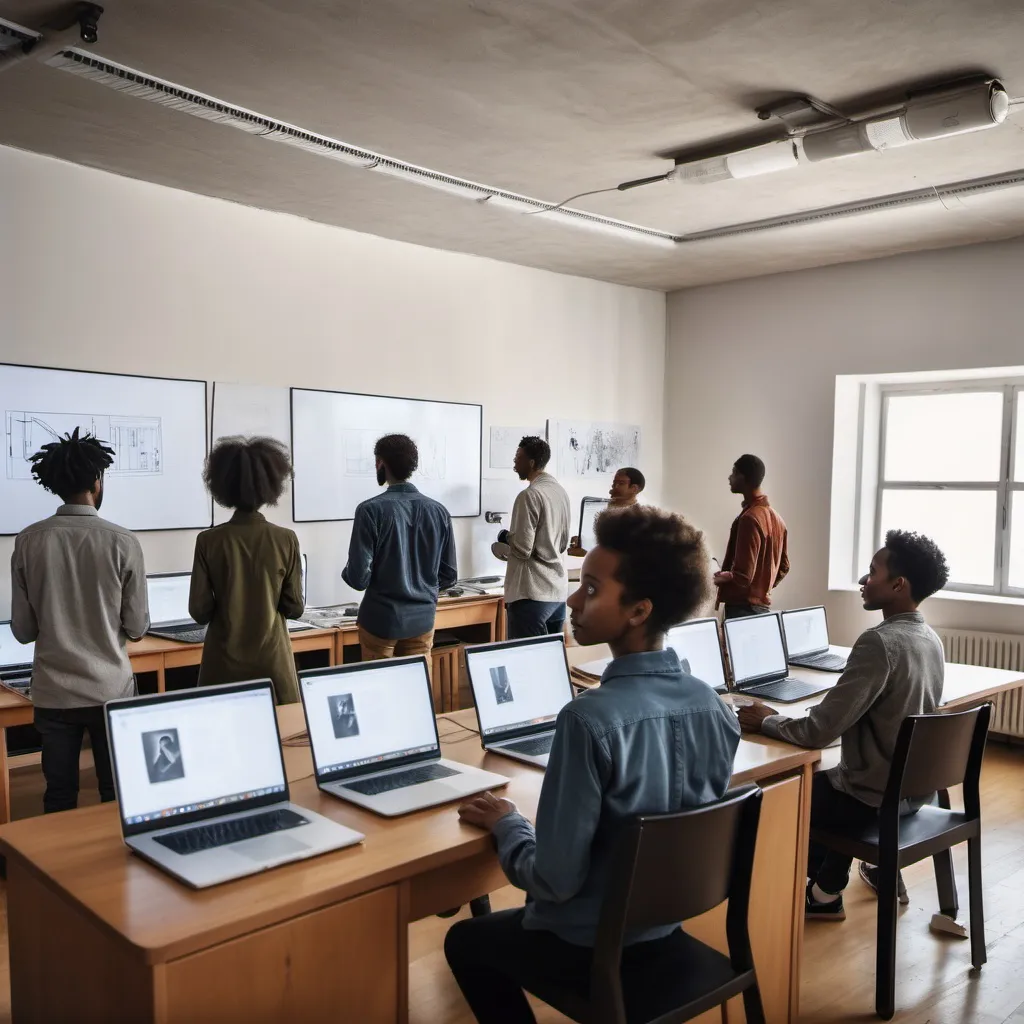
(72, 464)
(636, 478)
(399, 453)
(918, 560)
(538, 449)
(751, 468)
(662, 557)
(246, 473)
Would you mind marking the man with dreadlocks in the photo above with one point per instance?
(78, 589)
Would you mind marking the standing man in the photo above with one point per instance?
(536, 584)
(402, 553)
(78, 589)
(756, 560)
(625, 490)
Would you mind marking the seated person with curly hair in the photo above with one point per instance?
(895, 669)
(650, 740)
(247, 573)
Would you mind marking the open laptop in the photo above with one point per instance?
(201, 785)
(15, 660)
(519, 686)
(169, 617)
(757, 653)
(374, 741)
(806, 631)
(590, 509)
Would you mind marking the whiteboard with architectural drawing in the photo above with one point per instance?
(155, 426)
(333, 434)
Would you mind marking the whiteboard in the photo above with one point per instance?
(333, 434)
(156, 426)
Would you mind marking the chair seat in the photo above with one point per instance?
(686, 970)
(921, 834)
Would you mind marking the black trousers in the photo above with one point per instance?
(62, 731)
(830, 808)
(534, 618)
(494, 959)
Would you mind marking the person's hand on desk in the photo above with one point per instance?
(486, 810)
(752, 715)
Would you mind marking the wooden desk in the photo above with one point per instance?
(14, 710)
(326, 939)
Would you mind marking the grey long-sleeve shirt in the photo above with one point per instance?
(895, 669)
(538, 536)
(78, 589)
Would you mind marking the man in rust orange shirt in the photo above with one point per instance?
(756, 561)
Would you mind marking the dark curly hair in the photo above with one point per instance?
(246, 473)
(71, 464)
(662, 558)
(399, 453)
(751, 468)
(538, 449)
(918, 560)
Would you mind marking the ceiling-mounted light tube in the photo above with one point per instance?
(745, 163)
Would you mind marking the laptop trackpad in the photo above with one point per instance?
(269, 847)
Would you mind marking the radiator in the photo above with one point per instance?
(993, 650)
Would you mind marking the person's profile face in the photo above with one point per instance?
(622, 488)
(597, 614)
(877, 588)
(736, 481)
(522, 464)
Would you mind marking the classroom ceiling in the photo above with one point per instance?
(545, 98)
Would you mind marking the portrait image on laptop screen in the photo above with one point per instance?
(168, 597)
(806, 631)
(13, 653)
(700, 650)
(516, 685)
(755, 647)
(374, 713)
(178, 757)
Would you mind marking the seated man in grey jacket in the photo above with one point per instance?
(650, 739)
(895, 669)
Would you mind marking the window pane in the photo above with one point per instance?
(962, 523)
(1018, 472)
(944, 438)
(1016, 577)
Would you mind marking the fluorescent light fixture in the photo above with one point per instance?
(745, 163)
(438, 182)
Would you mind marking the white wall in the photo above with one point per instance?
(751, 367)
(99, 272)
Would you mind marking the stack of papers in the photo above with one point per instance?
(330, 615)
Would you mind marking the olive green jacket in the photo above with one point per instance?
(246, 584)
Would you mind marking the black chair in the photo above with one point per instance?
(933, 753)
(668, 868)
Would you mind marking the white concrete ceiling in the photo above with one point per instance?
(545, 98)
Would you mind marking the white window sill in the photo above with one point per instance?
(953, 595)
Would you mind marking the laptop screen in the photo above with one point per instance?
(181, 753)
(700, 650)
(806, 631)
(13, 653)
(590, 509)
(755, 647)
(369, 713)
(518, 684)
(168, 598)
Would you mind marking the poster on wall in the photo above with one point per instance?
(505, 441)
(585, 448)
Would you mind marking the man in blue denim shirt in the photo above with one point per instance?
(651, 739)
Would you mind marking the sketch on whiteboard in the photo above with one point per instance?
(595, 449)
(137, 440)
(505, 441)
(358, 448)
(433, 458)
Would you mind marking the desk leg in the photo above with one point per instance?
(161, 679)
(5, 781)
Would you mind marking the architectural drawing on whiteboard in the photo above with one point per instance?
(357, 445)
(137, 440)
(433, 458)
(596, 449)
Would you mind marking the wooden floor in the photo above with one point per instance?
(935, 983)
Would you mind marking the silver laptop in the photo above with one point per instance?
(169, 616)
(519, 686)
(806, 631)
(757, 654)
(15, 660)
(201, 785)
(374, 740)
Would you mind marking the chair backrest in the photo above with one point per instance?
(935, 752)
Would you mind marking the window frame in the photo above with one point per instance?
(1005, 487)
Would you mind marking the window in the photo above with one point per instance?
(951, 465)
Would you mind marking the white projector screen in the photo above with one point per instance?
(156, 426)
(333, 434)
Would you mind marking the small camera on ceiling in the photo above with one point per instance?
(88, 18)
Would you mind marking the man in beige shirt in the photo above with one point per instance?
(78, 590)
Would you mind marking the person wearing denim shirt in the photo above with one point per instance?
(650, 740)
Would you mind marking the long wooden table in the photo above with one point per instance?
(326, 939)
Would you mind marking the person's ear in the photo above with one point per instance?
(641, 612)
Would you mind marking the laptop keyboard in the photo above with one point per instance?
(189, 635)
(785, 690)
(533, 747)
(234, 830)
(399, 780)
(825, 662)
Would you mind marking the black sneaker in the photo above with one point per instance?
(831, 911)
(869, 875)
